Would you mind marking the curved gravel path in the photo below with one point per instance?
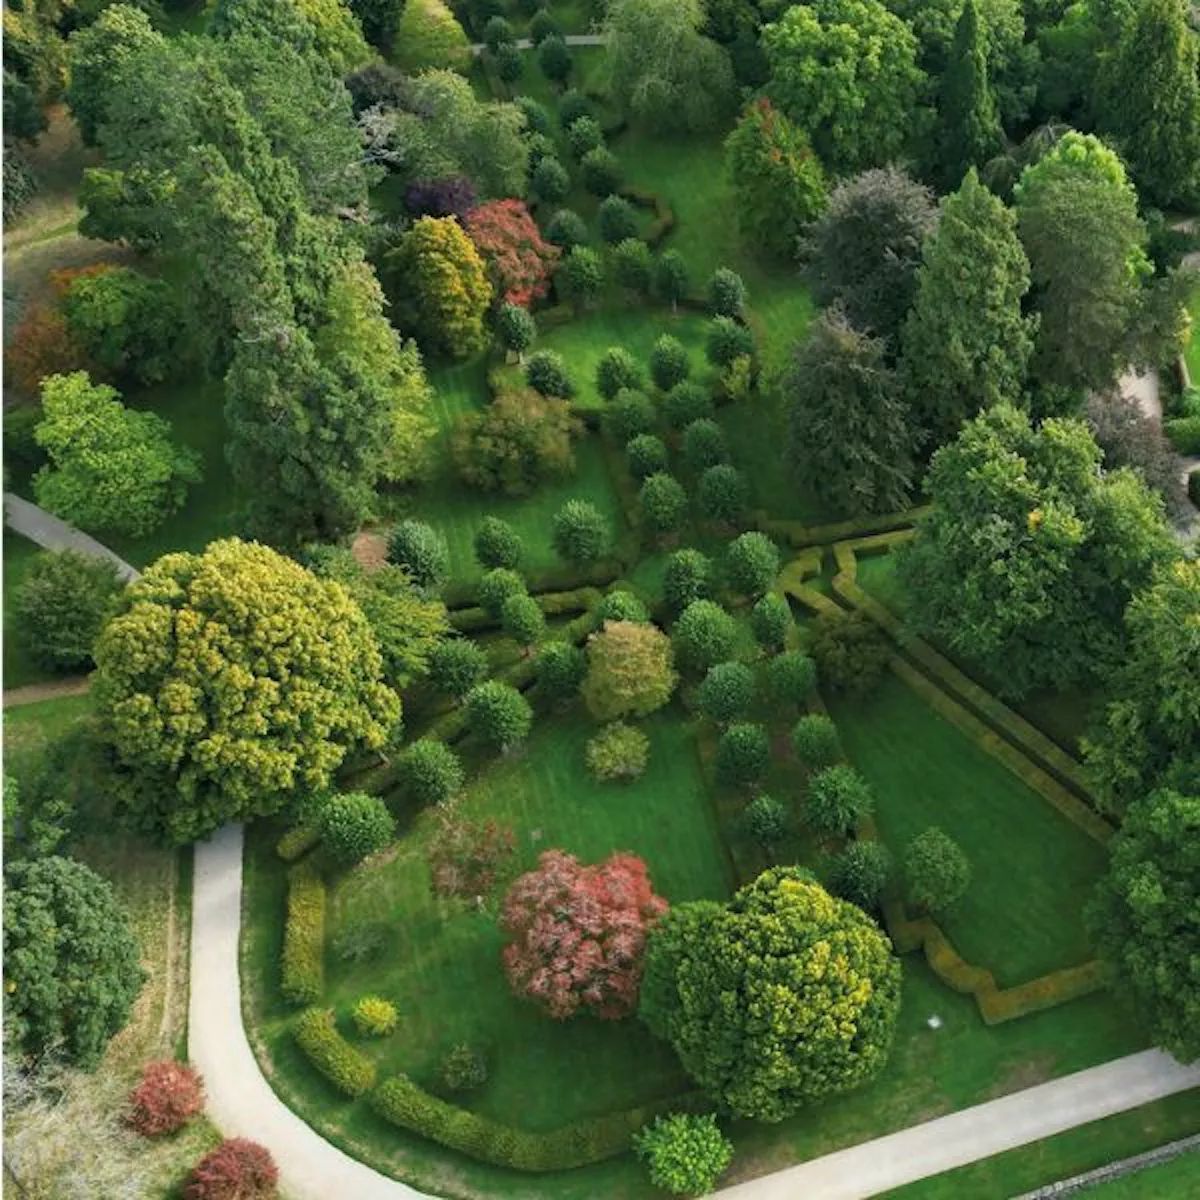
(241, 1102)
(53, 533)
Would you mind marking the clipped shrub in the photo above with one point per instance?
(498, 544)
(687, 578)
(374, 1016)
(704, 444)
(567, 229)
(298, 841)
(430, 771)
(354, 825)
(726, 692)
(619, 605)
(499, 714)
(771, 622)
(936, 871)
(542, 27)
(685, 1154)
(751, 563)
(496, 33)
(464, 1068)
(1184, 434)
(838, 797)
(537, 116)
(554, 59)
(815, 739)
(549, 181)
(662, 503)
(237, 1169)
(618, 752)
(704, 635)
(631, 413)
(646, 455)
(615, 217)
(791, 677)
(617, 369)
(723, 494)
(726, 293)
(584, 134)
(850, 651)
(727, 340)
(633, 266)
(559, 670)
(860, 873)
(671, 278)
(538, 147)
(422, 552)
(600, 172)
(546, 373)
(766, 820)
(516, 329)
(498, 586)
(522, 619)
(304, 936)
(686, 403)
(580, 532)
(167, 1097)
(572, 105)
(743, 754)
(457, 665)
(350, 1071)
(669, 362)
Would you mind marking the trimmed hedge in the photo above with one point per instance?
(664, 215)
(552, 604)
(349, 1071)
(297, 842)
(1184, 434)
(403, 1103)
(799, 535)
(304, 936)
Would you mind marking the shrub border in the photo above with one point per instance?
(303, 957)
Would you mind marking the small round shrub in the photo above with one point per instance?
(704, 635)
(522, 619)
(726, 340)
(631, 413)
(669, 362)
(567, 229)
(581, 276)
(499, 714)
(61, 605)
(457, 665)
(838, 797)
(771, 622)
(498, 545)
(687, 578)
(671, 277)
(766, 820)
(600, 172)
(422, 552)
(430, 772)
(537, 116)
(496, 587)
(549, 181)
(723, 494)
(704, 444)
(751, 563)
(646, 455)
(238, 1169)
(791, 677)
(516, 328)
(374, 1016)
(464, 1068)
(584, 134)
(726, 293)
(936, 871)
(616, 219)
(546, 372)
(662, 503)
(539, 147)
(618, 752)
(166, 1098)
(850, 652)
(686, 403)
(554, 59)
(354, 825)
(559, 670)
(617, 369)
(620, 605)
(726, 692)
(496, 32)
(685, 1154)
(580, 532)
(860, 873)
(743, 754)
(509, 64)
(543, 26)
(633, 265)
(572, 105)
(815, 740)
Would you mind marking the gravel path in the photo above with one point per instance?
(52, 533)
(572, 39)
(35, 693)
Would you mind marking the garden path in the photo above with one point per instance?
(52, 533)
(241, 1102)
(54, 689)
(572, 39)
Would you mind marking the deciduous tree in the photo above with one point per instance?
(499, 714)
(519, 262)
(467, 859)
(428, 35)
(631, 670)
(704, 635)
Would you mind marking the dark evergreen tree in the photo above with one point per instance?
(969, 130)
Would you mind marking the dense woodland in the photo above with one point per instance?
(600, 503)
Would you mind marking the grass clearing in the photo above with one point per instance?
(1032, 871)
(29, 727)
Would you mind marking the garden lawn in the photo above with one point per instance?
(1077, 1151)
(29, 727)
(1032, 871)
(1192, 351)
(20, 668)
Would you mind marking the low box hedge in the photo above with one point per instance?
(351, 1072)
(1184, 434)
(297, 842)
(799, 535)
(303, 966)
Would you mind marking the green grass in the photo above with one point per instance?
(1076, 1152)
(1192, 351)
(19, 666)
(1032, 870)
(1175, 1180)
(29, 727)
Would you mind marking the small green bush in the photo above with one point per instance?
(517, 331)
(816, 742)
(861, 872)
(572, 105)
(497, 586)
(498, 545)
(1184, 434)
(580, 532)
(559, 670)
(522, 619)
(549, 181)
(554, 59)
(615, 217)
(617, 369)
(685, 1154)
(633, 266)
(687, 578)
(743, 754)
(457, 665)
(584, 134)
(771, 621)
(726, 293)
(464, 1068)
(354, 825)
(686, 403)
(546, 373)
(620, 605)
(351, 1072)
(672, 279)
(567, 229)
(766, 820)
(662, 503)
(646, 455)
(838, 797)
(850, 651)
(751, 563)
(629, 415)
(936, 871)
(669, 362)
(600, 172)
(304, 936)
(499, 714)
(791, 677)
(704, 635)
(726, 341)
(430, 772)
(723, 494)
(543, 26)
(422, 552)
(509, 63)
(726, 692)
(618, 752)
(374, 1016)
(704, 444)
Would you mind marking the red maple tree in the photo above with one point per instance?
(518, 259)
(580, 934)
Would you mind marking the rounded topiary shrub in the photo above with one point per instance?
(685, 1154)
(630, 414)
(669, 362)
(497, 544)
(815, 741)
(723, 494)
(464, 1068)
(850, 651)
(771, 621)
(422, 552)
(542, 27)
(751, 563)
(499, 714)
(567, 229)
(549, 181)
(509, 63)
(726, 340)
(457, 665)
(765, 820)
(617, 369)
(646, 455)
(374, 1016)
(618, 752)
(166, 1098)
(580, 532)
(600, 171)
(537, 116)
(662, 503)
(430, 771)
(686, 403)
(546, 373)
(620, 605)
(521, 618)
(554, 58)
(584, 134)
(572, 105)
(838, 797)
(516, 328)
(726, 692)
(559, 670)
(238, 1169)
(936, 871)
(354, 824)
(497, 586)
(726, 293)
(687, 577)
(704, 444)
(704, 635)
(791, 677)
(61, 606)
(861, 872)
(615, 218)
(743, 754)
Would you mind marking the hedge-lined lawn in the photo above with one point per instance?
(1032, 870)
(1192, 351)
(1077, 1151)
(19, 666)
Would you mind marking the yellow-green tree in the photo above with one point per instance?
(438, 286)
(230, 682)
(429, 35)
(630, 670)
(337, 35)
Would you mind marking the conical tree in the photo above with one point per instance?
(969, 122)
(965, 345)
(1150, 102)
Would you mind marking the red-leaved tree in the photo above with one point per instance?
(168, 1096)
(238, 1169)
(579, 934)
(466, 858)
(518, 259)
